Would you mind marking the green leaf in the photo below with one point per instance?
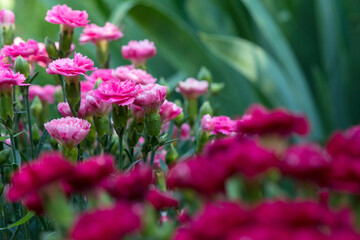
(23, 220)
(41, 142)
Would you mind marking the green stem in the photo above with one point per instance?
(62, 87)
(121, 150)
(13, 150)
(29, 122)
(153, 151)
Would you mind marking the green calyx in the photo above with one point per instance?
(152, 124)
(73, 92)
(120, 117)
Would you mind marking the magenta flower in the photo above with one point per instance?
(8, 79)
(90, 173)
(50, 167)
(68, 131)
(138, 51)
(261, 121)
(192, 88)
(151, 98)
(116, 92)
(130, 73)
(84, 110)
(96, 33)
(45, 93)
(103, 74)
(169, 111)
(7, 18)
(64, 15)
(41, 57)
(161, 200)
(306, 162)
(88, 226)
(4, 62)
(97, 107)
(34, 202)
(20, 48)
(79, 65)
(137, 112)
(218, 125)
(345, 143)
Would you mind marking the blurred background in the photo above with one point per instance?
(299, 54)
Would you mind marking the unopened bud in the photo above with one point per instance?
(204, 74)
(36, 107)
(215, 88)
(171, 155)
(179, 119)
(73, 92)
(36, 133)
(22, 66)
(51, 48)
(206, 109)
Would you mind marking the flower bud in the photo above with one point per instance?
(179, 119)
(6, 109)
(22, 66)
(204, 74)
(152, 124)
(120, 117)
(171, 155)
(36, 107)
(51, 48)
(73, 92)
(206, 109)
(7, 27)
(36, 133)
(215, 88)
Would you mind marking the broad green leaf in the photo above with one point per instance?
(283, 53)
(256, 65)
(23, 220)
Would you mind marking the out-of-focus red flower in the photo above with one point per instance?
(161, 200)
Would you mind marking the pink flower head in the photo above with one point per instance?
(4, 62)
(79, 65)
(50, 167)
(261, 121)
(34, 202)
(151, 97)
(7, 18)
(306, 162)
(185, 131)
(68, 131)
(104, 74)
(96, 33)
(84, 110)
(41, 57)
(116, 92)
(345, 143)
(137, 112)
(20, 48)
(218, 125)
(64, 15)
(161, 200)
(99, 224)
(169, 111)
(90, 173)
(192, 88)
(45, 93)
(8, 78)
(130, 73)
(132, 186)
(96, 106)
(138, 51)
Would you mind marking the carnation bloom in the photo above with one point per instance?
(84, 110)
(151, 98)
(161, 200)
(34, 202)
(345, 143)
(103, 74)
(192, 88)
(68, 131)
(50, 167)
(261, 121)
(8, 78)
(138, 51)
(169, 111)
(96, 33)
(20, 48)
(88, 174)
(96, 106)
(306, 162)
(132, 186)
(116, 92)
(130, 73)
(4, 62)
(64, 15)
(7, 18)
(218, 125)
(45, 93)
(79, 65)
(88, 226)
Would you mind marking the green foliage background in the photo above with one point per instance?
(301, 54)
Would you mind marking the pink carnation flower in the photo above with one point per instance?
(137, 75)
(96, 106)
(8, 78)
(84, 110)
(20, 48)
(116, 92)
(49, 168)
(161, 200)
(4, 62)
(45, 93)
(261, 121)
(7, 18)
(104, 74)
(96, 33)
(41, 57)
(86, 86)
(218, 125)
(169, 111)
(68, 131)
(79, 65)
(100, 223)
(138, 51)
(192, 88)
(151, 97)
(345, 143)
(62, 14)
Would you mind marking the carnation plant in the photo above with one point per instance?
(127, 156)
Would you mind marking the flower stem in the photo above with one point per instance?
(152, 157)
(13, 150)
(62, 87)
(29, 122)
(121, 150)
